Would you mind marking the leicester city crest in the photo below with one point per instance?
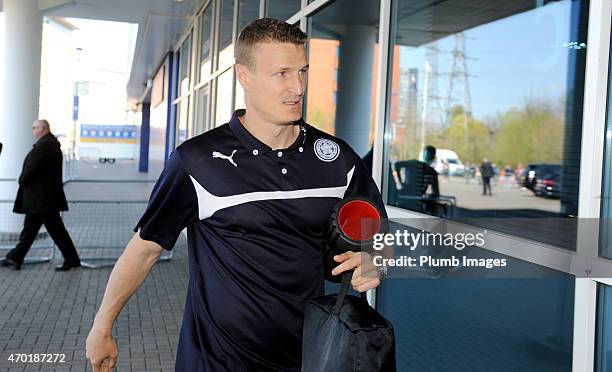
(326, 150)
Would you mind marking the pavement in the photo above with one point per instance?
(43, 311)
(506, 196)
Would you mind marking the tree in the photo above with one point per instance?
(533, 134)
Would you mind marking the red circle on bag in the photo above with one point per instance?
(359, 220)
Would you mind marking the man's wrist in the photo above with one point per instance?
(102, 327)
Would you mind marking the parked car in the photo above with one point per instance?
(549, 186)
(544, 179)
(536, 171)
(527, 179)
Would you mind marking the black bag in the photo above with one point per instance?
(342, 333)
(351, 227)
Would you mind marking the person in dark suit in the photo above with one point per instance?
(41, 197)
(486, 171)
(417, 177)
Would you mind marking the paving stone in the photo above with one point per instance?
(43, 311)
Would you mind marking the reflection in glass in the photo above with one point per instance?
(239, 99)
(202, 124)
(205, 60)
(157, 139)
(481, 324)
(343, 51)
(603, 348)
(182, 120)
(249, 11)
(226, 47)
(605, 243)
(283, 9)
(184, 66)
(498, 92)
(224, 98)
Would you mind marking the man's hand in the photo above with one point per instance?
(101, 350)
(365, 276)
(129, 272)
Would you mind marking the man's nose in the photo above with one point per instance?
(297, 85)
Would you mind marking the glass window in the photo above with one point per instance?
(202, 124)
(605, 246)
(498, 93)
(342, 77)
(226, 47)
(205, 60)
(283, 9)
(182, 120)
(239, 99)
(159, 119)
(480, 324)
(224, 98)
(185, 65)
(249, 11)
(603, 348)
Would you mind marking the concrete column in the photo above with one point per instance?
(22, 51)
(355, 74)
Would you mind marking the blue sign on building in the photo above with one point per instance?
(101, 132)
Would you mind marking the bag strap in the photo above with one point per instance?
(346, 282)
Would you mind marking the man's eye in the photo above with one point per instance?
(282, 73)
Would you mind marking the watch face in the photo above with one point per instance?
(382, 272)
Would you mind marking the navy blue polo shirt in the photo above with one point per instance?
(255, 220)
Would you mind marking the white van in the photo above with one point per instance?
(448, 162)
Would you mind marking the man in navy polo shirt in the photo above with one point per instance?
(255, 195)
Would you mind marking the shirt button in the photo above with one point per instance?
(255, 152)
(301, 149)
(280, 153)
(284, 170)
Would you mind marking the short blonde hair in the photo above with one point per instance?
(265, 30)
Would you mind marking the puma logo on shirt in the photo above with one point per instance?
(217, 154)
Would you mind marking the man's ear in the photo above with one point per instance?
(242, 74)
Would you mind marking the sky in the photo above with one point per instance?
(105, 45)
(510, 60)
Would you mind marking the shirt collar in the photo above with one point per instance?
(252, 143)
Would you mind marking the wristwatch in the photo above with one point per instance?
(382, 272)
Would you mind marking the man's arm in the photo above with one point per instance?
(131, 269)
(35, 163)
(435, 186)
(365, 275)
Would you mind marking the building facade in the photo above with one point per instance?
(523, 84)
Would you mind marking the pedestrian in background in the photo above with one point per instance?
(486, 171)
(41, 197)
